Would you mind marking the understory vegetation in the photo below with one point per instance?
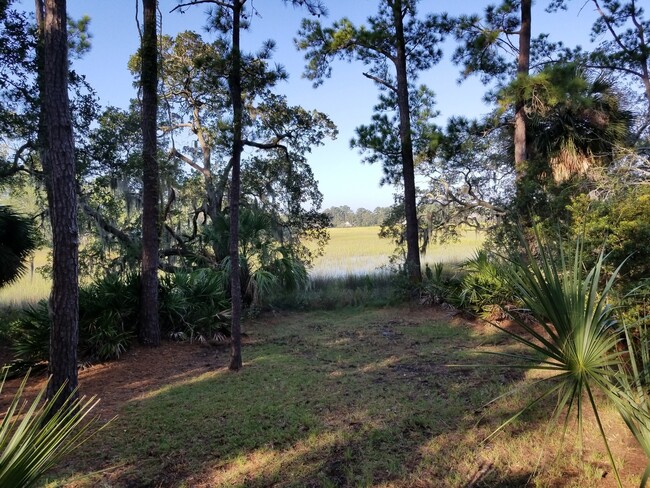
(352, 397)
(553, 308)
(34, 438)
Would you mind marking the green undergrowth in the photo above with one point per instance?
(378, 289)
(345, 398)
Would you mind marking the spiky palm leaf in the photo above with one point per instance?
(574, 335)
(34, 439)
(630, 388)
(17, 241)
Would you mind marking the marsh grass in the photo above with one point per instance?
(351, 251)
(359, 250)
(335, 292)
(31, 287)
(342, 399)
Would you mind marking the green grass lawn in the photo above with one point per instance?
(358, 250)
(352, 398)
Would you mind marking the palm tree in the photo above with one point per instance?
(576, 122)
(267, 261)
(17, 241)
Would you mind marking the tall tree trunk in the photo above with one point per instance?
(234, 80)
(406, 143)
(149, 332)
(523, 62)
(41, 136)
(64, 300)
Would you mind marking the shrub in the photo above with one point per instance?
(440, 285)
(194, 305)
(619, 224)
(630, 387)
(107, 321)
(109, 310)
(191, 306)
(30, 333)
(17, 241)
(483, 285)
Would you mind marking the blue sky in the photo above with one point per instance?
(347, 97)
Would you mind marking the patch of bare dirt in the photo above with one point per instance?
(137, 372)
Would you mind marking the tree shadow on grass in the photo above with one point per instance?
(345, 407)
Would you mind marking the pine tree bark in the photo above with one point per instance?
(523, 63)
(60, 159)
(149, 331)
(406, 144)
(234, 81)
(41, 136)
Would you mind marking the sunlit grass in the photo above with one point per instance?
(359, 250)
(346, 398)
(351, 397)
(350, 251)
(31, 287)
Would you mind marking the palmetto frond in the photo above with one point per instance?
(574, 335)
(17, 241)
(33, 438)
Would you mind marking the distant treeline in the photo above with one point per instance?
(346, 217)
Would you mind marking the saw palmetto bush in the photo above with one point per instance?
(33, 438)
(195, 305)
(573, 335)
(192, 305)
(271, 263)
(17, 241)
(440, 285)
(483, 285)
(109, 310)
(30, 333)
(108, 315)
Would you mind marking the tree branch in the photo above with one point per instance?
(610, 28)
(103, 223)
(168, 206)
(614, 67)
(187, 160)
(219, 3)
(176, 237)
(15, 167)
(268, 145)
(380, 82)
(168, 128)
